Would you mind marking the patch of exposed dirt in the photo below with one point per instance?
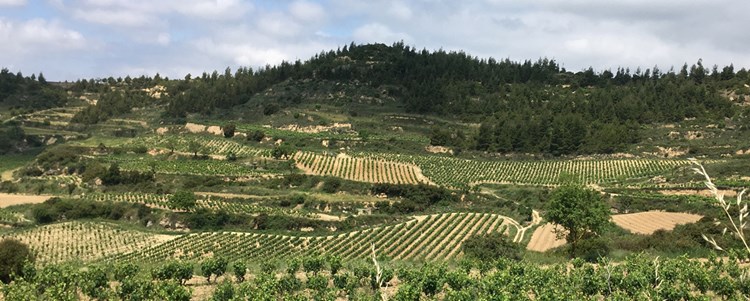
(328, 217)
(651, 221)
(317, 128)
(702, 192)
(7, 199)
(195, 128)
(214, 129)
(544, 238)
(438, 149)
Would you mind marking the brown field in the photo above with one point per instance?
(648, 222)
(645, 223)
(544, 239)
(7, 199)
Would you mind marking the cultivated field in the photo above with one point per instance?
(431, 237)
(648, 222)
(359, 169)
(84, 241)
(7, 199)
(455, 172)
(645, 223)
(544, 239)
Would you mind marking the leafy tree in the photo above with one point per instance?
(281, 152)
(257, 136)
(581, 212)
(194, 147)
(239, 268)
(215, 266)
(184, 200)
(13, 256)
(229, 129)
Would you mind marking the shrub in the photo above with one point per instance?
(229, 130)
(13, 256)
(490, 247)
(257, 136)
(140, 149)
(331, 185)
(591, 249)
(182, 200)
(239, 268)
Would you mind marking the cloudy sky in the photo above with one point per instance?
(70, 39)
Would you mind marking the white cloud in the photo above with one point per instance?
(174, 36)
(37, 35)
(12, 2)
(307, 11)
(278, 25)
(213, 9)
(243, 54)
(376, 32)
(115, 17)
(400, 10)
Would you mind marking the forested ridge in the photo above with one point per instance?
(28, 92)
(530, 106)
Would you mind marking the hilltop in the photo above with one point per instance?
(422, 157)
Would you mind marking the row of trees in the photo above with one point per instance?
(17, 90)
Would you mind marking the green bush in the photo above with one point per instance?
(591, 249)
(490, 247)
(13, 256)
(182, 200)
(331, 185)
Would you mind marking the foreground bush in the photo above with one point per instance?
(13, 256)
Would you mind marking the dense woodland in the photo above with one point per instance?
(524, 107)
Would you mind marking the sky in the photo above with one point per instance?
(72, 39)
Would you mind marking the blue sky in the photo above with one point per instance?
(70, 39)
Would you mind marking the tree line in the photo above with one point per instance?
(529, 106)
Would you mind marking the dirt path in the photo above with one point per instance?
(535, 220)
(7, 199)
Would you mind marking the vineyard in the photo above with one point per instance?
(191, 167)
(455, 172)
(84, 241)
(233, 205)
(359, 169)
(209, 144)
(431, 237)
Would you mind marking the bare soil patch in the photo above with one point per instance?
(702, 192)
(7, 199)
(544, 239)
(650, 221)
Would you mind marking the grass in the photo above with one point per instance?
(13, 161)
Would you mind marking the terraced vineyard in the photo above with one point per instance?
(83, 241)
(191, 167)
(359, 169)
(238, 206)
(432, 237)
(213, 145)
(456, 172)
